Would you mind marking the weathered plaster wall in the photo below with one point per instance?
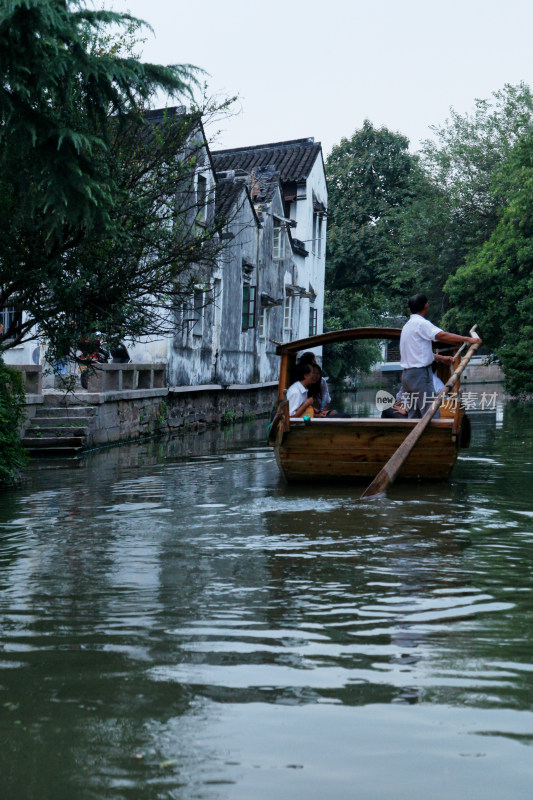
(274, 275)
(236, 354)
(483, 373)
(310, 270)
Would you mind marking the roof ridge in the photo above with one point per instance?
(309, 141)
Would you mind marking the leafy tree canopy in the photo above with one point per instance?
(468, 151)
(402, 224)
(57, 98)
(368, 177)
(495, 286)
(457, 194)
(345, 308)
(128, 278)
(99, 216)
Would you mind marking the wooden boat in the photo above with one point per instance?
(332, 449)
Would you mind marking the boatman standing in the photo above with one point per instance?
(417, 356)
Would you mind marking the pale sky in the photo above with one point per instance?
(310, 68)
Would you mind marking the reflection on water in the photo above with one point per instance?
(178, 623)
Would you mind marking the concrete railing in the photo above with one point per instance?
(32, 375)
(126, 377)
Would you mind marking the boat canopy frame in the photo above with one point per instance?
(332, 337)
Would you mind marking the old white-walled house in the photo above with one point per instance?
(269, 281)
(269, 284)
(302, 180)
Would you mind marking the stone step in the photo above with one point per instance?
(43, 442)
(61, 422)
(61, 411)
(57, 430)
(60, 453)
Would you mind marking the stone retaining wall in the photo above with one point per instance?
(122, 415)
(483, 373)
(145, 413)
(191, 406)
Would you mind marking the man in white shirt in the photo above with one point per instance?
(299, 402)
(416, 354)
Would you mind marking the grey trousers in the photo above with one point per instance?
(418, 383)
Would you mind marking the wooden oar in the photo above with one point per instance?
(388, 474)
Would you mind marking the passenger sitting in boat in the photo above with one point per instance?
(310, 358)
(399, 408)
(299, 402)
(437, 383)
(315, 392)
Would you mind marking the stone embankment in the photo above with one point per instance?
(124, 402)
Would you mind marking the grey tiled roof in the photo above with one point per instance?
(159, 114)
(264, 183)
(227, 194)
(293, 159)
(230, 197)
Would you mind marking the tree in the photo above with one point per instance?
(57, 98)
(128, 277)
(423, 252)
(468, 151)
(495, 285)
(100, 228)
(367, 180)
(346, 308)
(453, 203)
(12, 409)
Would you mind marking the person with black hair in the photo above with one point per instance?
(417, 356)
(299, 402)
(310, 358)
(315, 391)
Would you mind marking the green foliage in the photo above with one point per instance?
(228, 417)
(495, 286)
(368, 177)
(467, 153)
(454, 199)
(12, 454)
(453, 223)
(346, 309)
(423, 252)
(57, 98)
(104, 228)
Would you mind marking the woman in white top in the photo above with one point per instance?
(325, 397)
(299, 402)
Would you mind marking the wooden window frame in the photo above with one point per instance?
(287, 312)
(249, 298)
(278, 241)
(313, 321)
(201, 198)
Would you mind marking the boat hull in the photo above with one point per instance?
(337, 449)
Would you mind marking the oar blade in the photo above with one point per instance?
(379, 485)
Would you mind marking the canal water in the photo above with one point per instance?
(178, 623)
